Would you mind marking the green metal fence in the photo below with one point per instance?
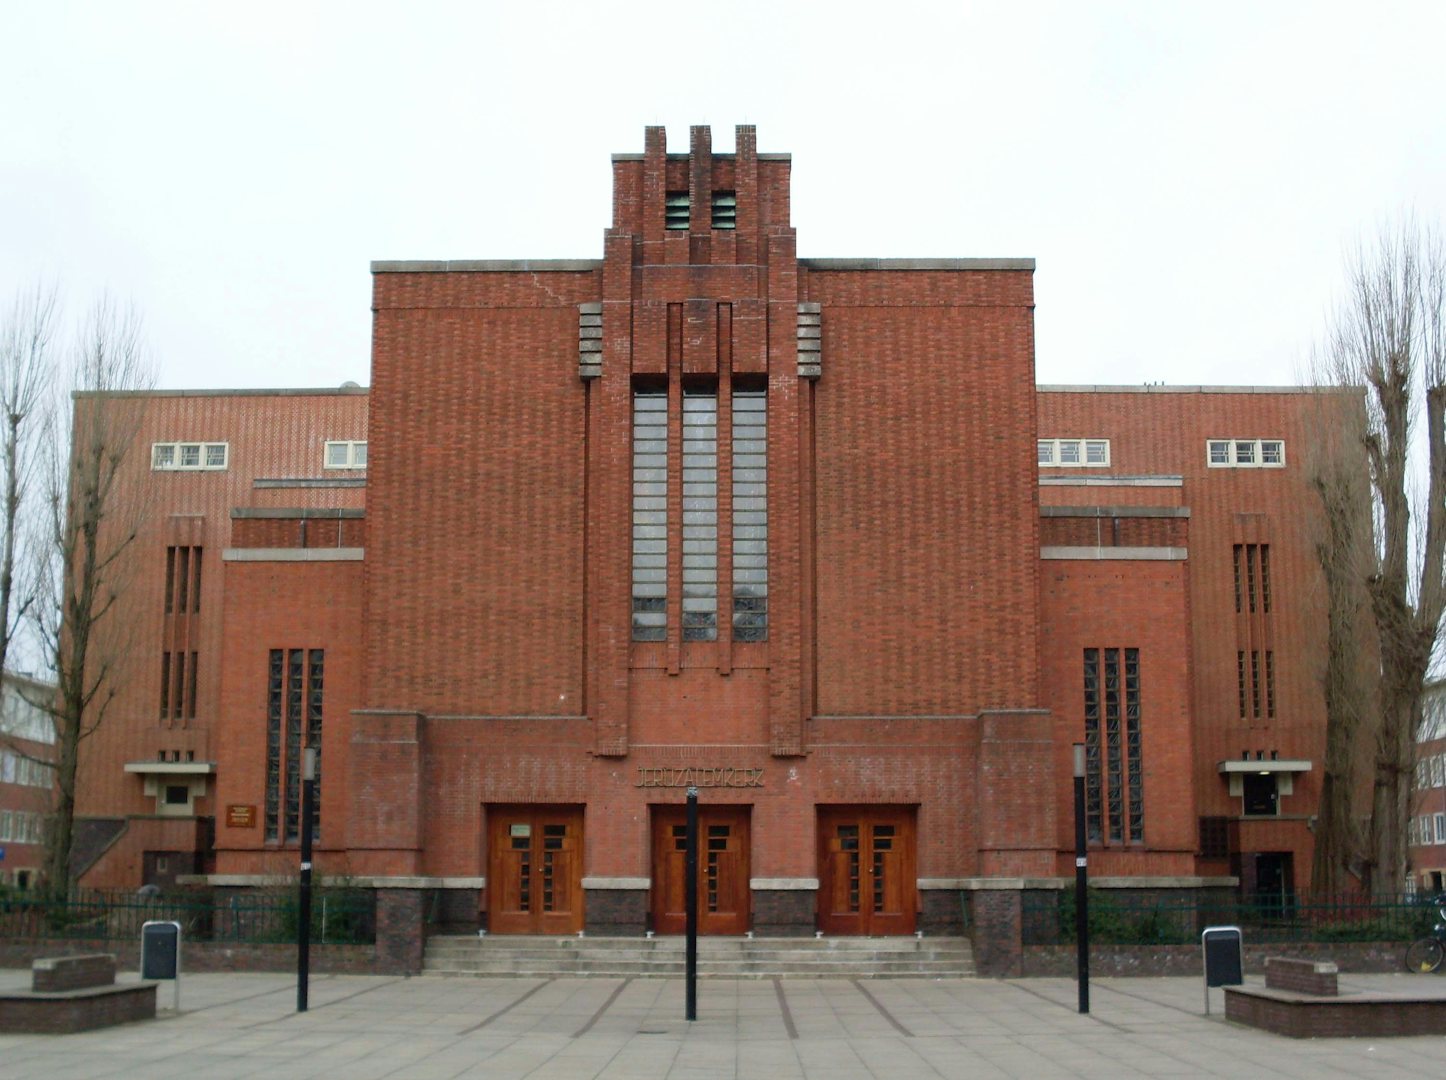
(338, 916)
(1116, 919)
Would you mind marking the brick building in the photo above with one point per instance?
(27, 746)
(801, 532)
(1427, 828)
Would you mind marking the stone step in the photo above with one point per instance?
(631, 957)
(677, 969)
(473, 948)
(707, 944)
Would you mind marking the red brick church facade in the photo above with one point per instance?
(801, 532)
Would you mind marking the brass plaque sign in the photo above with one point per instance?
(240, 817)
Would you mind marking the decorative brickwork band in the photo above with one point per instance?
(810, 341)
(589, 340)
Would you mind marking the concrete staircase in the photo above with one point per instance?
(738, 958)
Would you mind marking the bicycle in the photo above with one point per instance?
(1424, 955)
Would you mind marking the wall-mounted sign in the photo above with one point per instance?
(692, 776)
(240, 817)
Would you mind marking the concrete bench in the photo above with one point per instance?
(1318, 977)
(57, 974)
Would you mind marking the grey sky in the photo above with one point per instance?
(1187, 176)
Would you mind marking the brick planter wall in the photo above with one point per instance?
(400, 936)
(197, 956)
(1327, 1018)
(785, 912)
(83, 1010)
(1059, 960)
(617, 911)
(995, 916)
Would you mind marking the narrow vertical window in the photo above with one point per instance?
(1265, 578)
(170, 578)
(1239, 555)
(1113, 756)
(1270, 683)
(650, 515)
(1250, 550)
(273, 743)
(178, 684)
(316, 661)
(294, 692)
(700, 515)
(195, 580)
(1093, 820)
(750, 515)
(1255, 683)
(1114, 773)
(183, 575)
(1240, 679)
(165, 686)
(1132, 745)
(190, 713)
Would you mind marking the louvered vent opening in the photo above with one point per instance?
(725, 209)
(675, 210)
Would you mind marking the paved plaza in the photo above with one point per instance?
(362, 1027)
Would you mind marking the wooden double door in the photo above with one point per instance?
(723, 896)
(867, 877)
(534, 869)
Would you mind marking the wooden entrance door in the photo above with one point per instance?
(534, 869)
(867, 882)
(723, 896)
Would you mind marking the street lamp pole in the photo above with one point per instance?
(690, 903)
(1081, 893)
(303, 929)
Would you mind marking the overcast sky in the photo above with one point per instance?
(1187, 176)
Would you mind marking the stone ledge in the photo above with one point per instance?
(1116, 554)
(339, 554)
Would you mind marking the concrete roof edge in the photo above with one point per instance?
(314, 391)
(476, 266)
(916, 264)
(1086, 388)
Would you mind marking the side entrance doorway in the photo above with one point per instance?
(723, 897)
(534, 869)
(867, 879)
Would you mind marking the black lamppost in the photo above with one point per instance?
(303, 930)
(690, 903)
(1081, 893)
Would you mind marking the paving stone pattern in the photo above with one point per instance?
(362, 1027)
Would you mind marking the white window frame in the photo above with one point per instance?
(356, 453)
(5, 825)
(166, 456)
(1440, 828)
(1425, 831)
(1244, 453)
(1438, 770)
(1050, 453)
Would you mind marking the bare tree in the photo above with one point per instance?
(27, 364)
(1389, 337)
(1340, 477)
(94, 517)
